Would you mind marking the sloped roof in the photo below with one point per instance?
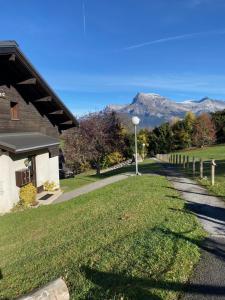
(17, 70)
(26, 142)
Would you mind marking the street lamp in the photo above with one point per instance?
(136, 121)
(143, 150)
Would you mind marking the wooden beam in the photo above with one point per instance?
(28, 81)
(12, 57)
(57, 112)
(66, 123)
(44, 99)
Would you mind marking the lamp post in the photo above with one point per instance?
(143, 150)
(136, 121)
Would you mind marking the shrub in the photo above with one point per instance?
(28, 195)
(113, 159)
(50, 186)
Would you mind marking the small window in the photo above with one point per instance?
(14, 110)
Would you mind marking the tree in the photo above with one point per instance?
(204, 131)
(161, 139)
(143, 141)
(98, 136)
(189, 122)
(95, 130)
(219, 120)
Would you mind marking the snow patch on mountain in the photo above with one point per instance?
(154, 109)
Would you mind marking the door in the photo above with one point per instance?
(32, 169)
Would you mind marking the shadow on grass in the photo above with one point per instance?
(187, 191)
(129, 287)
(121, 285)
(199, 216)
(180, 181)
(144, 168)
(140, 287)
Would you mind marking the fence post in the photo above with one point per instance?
(187, 162)
(184, 161)
(193, 161)
(201, 168)
(213, 166)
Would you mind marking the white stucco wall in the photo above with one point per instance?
(54, 170)
(42, 168)
(9, 192)
(47, 169)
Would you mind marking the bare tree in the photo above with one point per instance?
(97, 136)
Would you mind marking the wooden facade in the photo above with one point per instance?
(29, 118)
(39, 109)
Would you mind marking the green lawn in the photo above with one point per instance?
(90, 176)
(208, 153)
(130, 240)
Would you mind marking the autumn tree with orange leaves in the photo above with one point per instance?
(204, 132)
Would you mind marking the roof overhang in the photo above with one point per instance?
(26, 142)
(16, 69)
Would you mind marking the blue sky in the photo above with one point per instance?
(97, 52)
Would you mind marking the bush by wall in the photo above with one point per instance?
(28, 195)
(50, 186)
(113, 159)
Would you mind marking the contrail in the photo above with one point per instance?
(177, 37)
(84, 17)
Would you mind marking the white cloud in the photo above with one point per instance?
(174, 38)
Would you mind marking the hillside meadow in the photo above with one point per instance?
(216, 152)
(133, 239)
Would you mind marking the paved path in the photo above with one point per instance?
(208, 280)
(90, 187)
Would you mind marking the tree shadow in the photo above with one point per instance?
(142, 288)
(120, 284)
(180, 181)
(206, 210)
(199, 216)
(190, 192)
(209, 244)
(129, 287)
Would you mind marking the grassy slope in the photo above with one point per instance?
(130, 239)
(213, 152)
(208, 153)
(90, 176)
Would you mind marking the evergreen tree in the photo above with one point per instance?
(219, 120)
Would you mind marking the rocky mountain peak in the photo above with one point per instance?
(154, 109)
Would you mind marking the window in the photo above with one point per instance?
(14, 110)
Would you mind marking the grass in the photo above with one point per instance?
(130, 240)
(207, 154)
(90, 176)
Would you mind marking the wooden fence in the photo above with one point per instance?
(193, 165)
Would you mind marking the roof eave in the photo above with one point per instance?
(11, 47)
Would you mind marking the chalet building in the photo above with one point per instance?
(31, 119)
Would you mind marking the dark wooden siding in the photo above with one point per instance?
(30, 120)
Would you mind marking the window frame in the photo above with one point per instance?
(14, 111)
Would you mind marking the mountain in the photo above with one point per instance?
(154, 109)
